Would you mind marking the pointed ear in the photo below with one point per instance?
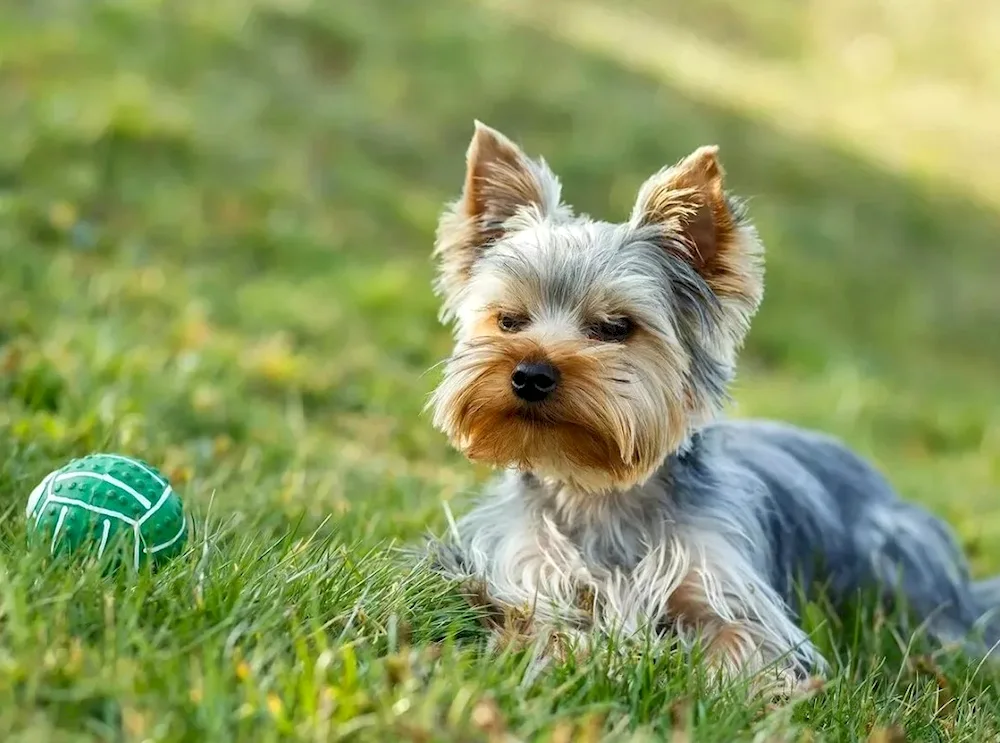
(700, 225)
(500, 181)
(501, 184)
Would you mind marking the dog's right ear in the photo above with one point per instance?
(501, 184)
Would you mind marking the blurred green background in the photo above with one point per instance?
(216, 219)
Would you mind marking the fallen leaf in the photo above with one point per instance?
(680, 721)
(892, 734)
(486, 716)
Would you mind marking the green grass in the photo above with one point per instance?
(215, 224)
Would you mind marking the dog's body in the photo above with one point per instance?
(590, 362)
(756, 512)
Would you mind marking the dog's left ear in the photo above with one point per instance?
(500, 181)
(501, 184)
(697, 223)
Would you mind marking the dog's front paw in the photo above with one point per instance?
(782, 684)
(770, 681)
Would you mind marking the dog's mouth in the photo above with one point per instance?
(530, 415)
(541, 415)
(543, 438)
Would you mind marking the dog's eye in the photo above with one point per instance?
(615, 330)
(511, 323)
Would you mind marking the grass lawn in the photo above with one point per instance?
(215, 225)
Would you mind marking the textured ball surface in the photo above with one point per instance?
(108, 501)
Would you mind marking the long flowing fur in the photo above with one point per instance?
(625, 507)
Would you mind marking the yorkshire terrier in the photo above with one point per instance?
(591, 363)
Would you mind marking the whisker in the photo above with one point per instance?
(434, 367)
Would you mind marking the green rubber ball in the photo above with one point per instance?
(108, 502)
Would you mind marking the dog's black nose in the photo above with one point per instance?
(534, 381)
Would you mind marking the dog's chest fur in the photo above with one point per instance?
(698, 538)
(542, 547)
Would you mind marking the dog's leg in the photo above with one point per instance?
(735, 639)
(909, 551)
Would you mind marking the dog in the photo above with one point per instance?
(591, 363)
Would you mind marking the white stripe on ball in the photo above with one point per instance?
(169, 542)
(59, 524)
(136, 463)
(143, 500)
(104, 539)
(36, 494)
(88, 507)
(163, 499)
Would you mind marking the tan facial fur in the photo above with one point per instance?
(510, 245)
(591, 433)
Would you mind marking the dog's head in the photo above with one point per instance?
(588, 351)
